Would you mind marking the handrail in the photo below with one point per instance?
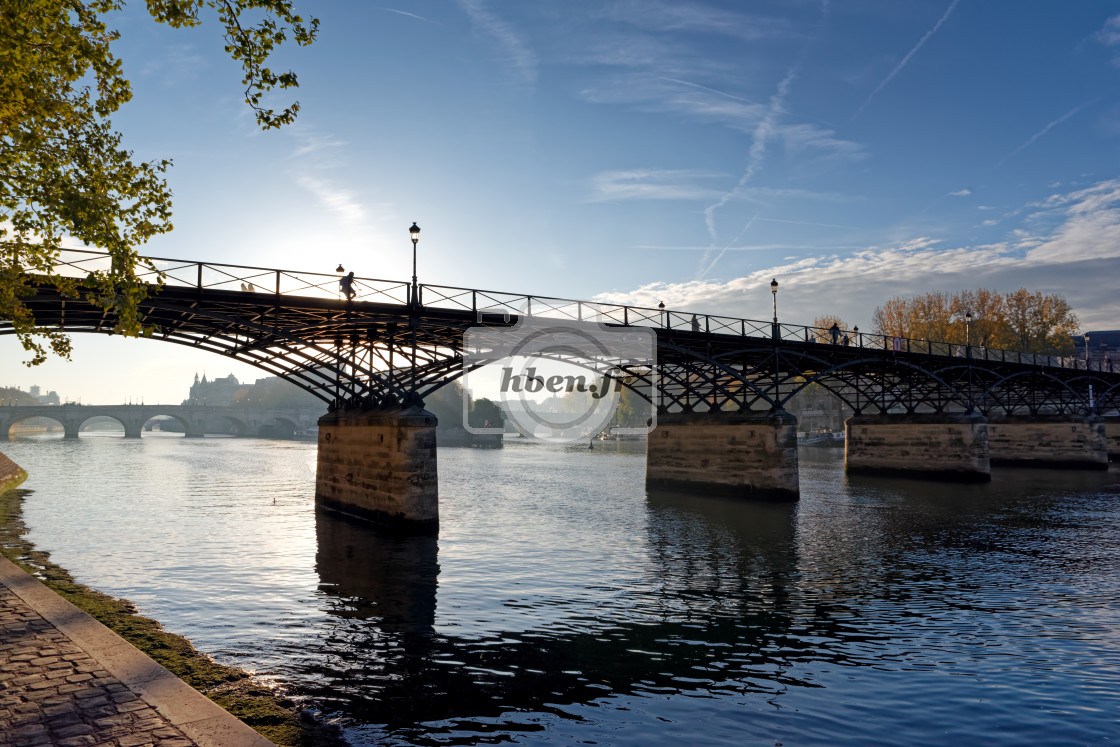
(247, 278)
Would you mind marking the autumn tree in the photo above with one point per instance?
(1020, 320)
(64, 172)
(987, 325)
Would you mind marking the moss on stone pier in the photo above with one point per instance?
(267, 710)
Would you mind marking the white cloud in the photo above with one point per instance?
(651, 184)
(961, 192)
(517, 51)
(695, 18)
(336, 199)
(1091, 229)
(1110, 34)
(1075, 257)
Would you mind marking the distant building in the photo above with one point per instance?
(1102, 345)
(215, 393)
(50, 398)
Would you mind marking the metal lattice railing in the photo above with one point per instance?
(217, 276)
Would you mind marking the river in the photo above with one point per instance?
(562, 604)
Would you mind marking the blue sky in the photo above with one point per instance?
(684, 152)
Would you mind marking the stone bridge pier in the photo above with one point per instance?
(962, 447)
(950, 447)
(1112, 434)
(742, 455)
(380, 465)
(1052, 441)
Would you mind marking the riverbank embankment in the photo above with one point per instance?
(231, 691)
(11, 474)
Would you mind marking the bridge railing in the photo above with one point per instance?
(180, 273)
(263, 280)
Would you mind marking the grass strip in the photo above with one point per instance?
(275, 716)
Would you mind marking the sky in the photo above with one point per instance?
(638, 151)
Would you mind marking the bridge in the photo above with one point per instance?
(923, 408)
(196, 420)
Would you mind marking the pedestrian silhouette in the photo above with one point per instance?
(346, 285)
(834, 333)
(846, 341)
(695, 324)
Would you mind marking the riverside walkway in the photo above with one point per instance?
(67, 680)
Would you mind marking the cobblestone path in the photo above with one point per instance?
(54, 693)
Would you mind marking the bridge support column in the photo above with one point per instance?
(1112, 433)
(952, 447)
(743, 455)
(70, 430)
(1051, 441)
(380, 465)
(11, 474)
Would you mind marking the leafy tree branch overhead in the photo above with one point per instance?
(64, 171)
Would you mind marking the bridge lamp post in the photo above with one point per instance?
(859, 340)
(1086, 352)
(661, 309)
(968, 329)
(414, 232)
(774, 290)
(339, 270)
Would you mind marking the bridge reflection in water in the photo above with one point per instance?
(772, 620)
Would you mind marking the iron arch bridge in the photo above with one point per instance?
(392, 344)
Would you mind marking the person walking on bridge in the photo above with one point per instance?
(834, 333)
(346, 285)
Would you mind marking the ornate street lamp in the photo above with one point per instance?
(774, 289)
(859, 340)
(414, 232)
(968, 329)
(1086, 352)
(661, 306)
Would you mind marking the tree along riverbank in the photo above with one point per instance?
(269, 711)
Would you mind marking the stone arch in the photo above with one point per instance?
(80, 422)
(278, 427)
(188, 426)
(237, 426)
(10, 424)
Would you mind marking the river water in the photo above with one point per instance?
(563, 604)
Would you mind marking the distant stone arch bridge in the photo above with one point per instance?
(196, 420)
(720, 384)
